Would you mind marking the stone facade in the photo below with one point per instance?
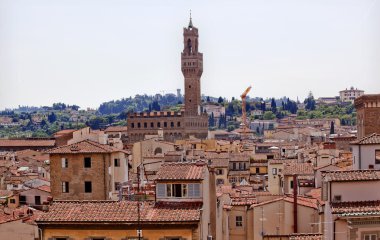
(177, 125)
(103, 175)
(368, 114)
(76, 174)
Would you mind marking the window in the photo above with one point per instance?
(165, 124)
(133, 125)
(158, 150)
(291, 184)
(274, 171)
(22, 199)
(194, 190)
(257, 170)
(87, 162)
(87, 187)
(370, 236)
(176, 190)
(239, 221)
(145, 125)
(219, 171)
(65, 163)
(377, 156)
(152, 125)
(158, 124)
(234, 166)
(60, 238)
(171, 124)
(12, 200)
(117, 162)
(117, 186)
(219, 181)
(337, 198)
(65, 187)
(37, 200)
(138, 125)
(178, 124)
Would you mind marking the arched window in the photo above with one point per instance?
(158, 150)
(189, 47)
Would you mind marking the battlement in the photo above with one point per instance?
(155, 114)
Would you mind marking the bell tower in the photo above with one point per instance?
(192, 68)
(195, 121)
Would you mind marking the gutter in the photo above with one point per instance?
(360, 157)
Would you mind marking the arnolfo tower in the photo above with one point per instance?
(177, 125)
(196, 122)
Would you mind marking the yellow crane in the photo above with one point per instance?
(243, 109)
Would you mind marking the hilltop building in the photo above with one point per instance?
(177, 125)
(349, 95)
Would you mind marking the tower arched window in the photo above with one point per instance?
(189, 47)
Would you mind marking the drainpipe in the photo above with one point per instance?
(40, 233)
(295, 198)
(360, 157)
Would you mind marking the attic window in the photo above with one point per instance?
(337, 198)
(377, 156)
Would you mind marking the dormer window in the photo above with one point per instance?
(178, 190)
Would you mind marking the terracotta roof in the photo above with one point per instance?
(121, 211)
(306, 236)
(281, 161)
(351, 175)
(182, 171)
(356, 208)
(64, 132)
(27, 214)
(317, 194)
(303, 201)
(27, 143)
(116, 129)
(298, 168)
(220, 162)
(295, 236)
(85, 146)
(243, 200)
(373, 138)
(44, 188)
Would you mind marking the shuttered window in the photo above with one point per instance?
(194, 190)
(161, 190)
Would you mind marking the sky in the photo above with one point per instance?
(86, 52)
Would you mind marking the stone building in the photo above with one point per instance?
(349, 95)
(87, 171)
(178, 125)
(368, 114)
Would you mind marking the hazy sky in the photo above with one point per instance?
(87, 52)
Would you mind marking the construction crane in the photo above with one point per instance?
(243, 109)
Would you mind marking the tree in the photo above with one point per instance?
(211, 120)
(52, 117)
(208, 99)
(269, 115)
(220, 100)
(332, 131)
(273, 106)
(310, 102)
(156, 106)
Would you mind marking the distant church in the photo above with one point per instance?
(177, 125)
